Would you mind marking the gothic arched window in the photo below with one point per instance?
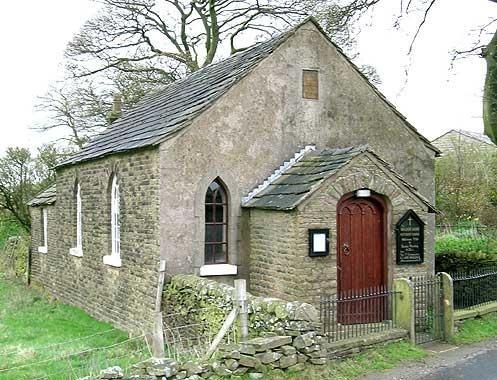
(77, 250)
(115, 211)
(216, 224)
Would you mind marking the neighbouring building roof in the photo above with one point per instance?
(299, 180)
(163, 113)
(480, 137)
(46, 197)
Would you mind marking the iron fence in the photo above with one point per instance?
(474, 288)
(428, 308)
(473, 231)
(356, 313)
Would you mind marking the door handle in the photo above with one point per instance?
(346, 249)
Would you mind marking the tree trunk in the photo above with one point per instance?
(490, 91)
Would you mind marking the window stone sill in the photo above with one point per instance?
(43, 249)
(112, 260)
(218, 270)
(76, 251)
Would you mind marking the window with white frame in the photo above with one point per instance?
(78, 249)
(114, 258)
(44, 231)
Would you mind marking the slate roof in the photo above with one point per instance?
(472, 135)
(46, 197)
(163, 113)
(166, 111)
(305, 176)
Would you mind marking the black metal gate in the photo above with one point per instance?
(428, 308)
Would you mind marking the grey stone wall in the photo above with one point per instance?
(279, 242)
(261, 122)
(39, 261)
(274, 265)
(124, 296)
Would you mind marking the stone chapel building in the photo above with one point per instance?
(282, 165)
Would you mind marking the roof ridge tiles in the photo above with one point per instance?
(279, 172)
(296, 183)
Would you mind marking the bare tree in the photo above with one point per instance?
(490, 90)
(167, 35)
(79, 110)
(134, 46)
(484, 44)
(174, 37)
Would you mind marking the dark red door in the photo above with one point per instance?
(361, 260)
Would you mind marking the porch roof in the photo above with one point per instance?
(294, 184)
(46, 197)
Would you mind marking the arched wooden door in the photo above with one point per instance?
(361, 261)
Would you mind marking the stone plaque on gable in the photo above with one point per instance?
(410, 239)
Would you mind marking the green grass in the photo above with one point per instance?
(476, 330)
(374, 360)
(32, 326)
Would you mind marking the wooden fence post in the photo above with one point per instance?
(158, 333)
(28, 266)
(242, 305)
(447, 306)
(228, 322)
(404, 306)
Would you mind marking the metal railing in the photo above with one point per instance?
(475, 288)
(428, 308)
(356, 313)
(474, 231)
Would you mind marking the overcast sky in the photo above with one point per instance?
(33, 35)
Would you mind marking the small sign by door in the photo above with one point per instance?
(410, 239)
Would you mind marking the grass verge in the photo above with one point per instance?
(32, 328)
(374, 360)
(476, 330)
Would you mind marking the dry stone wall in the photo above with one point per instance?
(258, 358)
(187, 293)
(285, 338)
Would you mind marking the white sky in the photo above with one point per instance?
(33, 35)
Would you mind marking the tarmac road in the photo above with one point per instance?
(481, 367)
(446, 362)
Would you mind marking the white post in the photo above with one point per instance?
(158, 334)
(242, 305)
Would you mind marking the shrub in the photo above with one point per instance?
(466, 248)
(465, 244)
(8, 228)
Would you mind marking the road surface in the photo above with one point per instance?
(446, 362)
